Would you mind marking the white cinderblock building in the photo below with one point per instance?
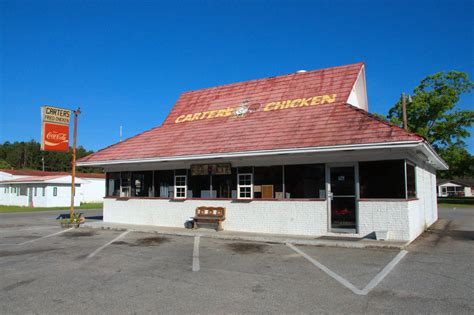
(296, 154)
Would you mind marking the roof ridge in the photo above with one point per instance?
(276, 76)
(388, 123)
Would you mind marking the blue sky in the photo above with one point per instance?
(126, 62)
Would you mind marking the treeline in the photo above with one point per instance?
(28, 155)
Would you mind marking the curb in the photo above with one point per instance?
(262, 239)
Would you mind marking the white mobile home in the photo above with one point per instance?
(49, 189)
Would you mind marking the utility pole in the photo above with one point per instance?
(404, 109)
(120, 133)
(73, 188)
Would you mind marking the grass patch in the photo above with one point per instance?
(456, 202)
(84, 206)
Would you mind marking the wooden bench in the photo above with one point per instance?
(209, 215)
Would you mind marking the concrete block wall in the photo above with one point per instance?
(385, 215)
(276, 217)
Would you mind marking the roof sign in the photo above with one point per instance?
(243, 109)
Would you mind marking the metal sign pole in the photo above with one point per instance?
(73, 188)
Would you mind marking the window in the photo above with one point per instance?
(23, 191)
(113, 184)
(411, 181)
(200, 186)
(44, 191)
(36, 191)
(180, 186)
(213, 186)
(142, 184)
(268, 182)
(454, 191)
(244, 187)
(125, 184)
(305, 181)
(6, 190)
(382, 179)
(55, 191)
(224, 186)
(164, 183)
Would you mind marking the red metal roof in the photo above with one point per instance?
(187, 131)
(41, 173)
(32, 179)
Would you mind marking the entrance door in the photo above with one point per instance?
(30, 197)
(343, 199)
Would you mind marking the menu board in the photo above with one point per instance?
(211, 169)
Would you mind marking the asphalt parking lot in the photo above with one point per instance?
(47, 270)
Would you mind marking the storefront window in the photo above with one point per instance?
(244, 186)
(305, 181)
(224, 186)
(164, 183)
(411, 181)
(199, 186)
(382, 179)
(113, 184)
(180, 186)
(142, 184)
(268, 182)
(125, 178)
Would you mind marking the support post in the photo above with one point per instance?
(73, 175)
(404, 109)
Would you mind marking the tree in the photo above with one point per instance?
(461, 163)
(432, 113)
(4, 165)
(28, 155)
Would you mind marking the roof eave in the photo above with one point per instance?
(432, 157)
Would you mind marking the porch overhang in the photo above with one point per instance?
(421, 150)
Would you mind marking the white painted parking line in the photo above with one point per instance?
(385, 271)
(328, 271)
(40, 238)
(372, 284)
(196, 265)
(107, 244)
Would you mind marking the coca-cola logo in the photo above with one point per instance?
(56, 136)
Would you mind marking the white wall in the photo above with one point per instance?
(384, 215)
(404, 219)
(93, 190)
(63, 198)
(277, 217)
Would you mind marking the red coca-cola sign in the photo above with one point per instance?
(55, 137)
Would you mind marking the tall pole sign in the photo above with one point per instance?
(73, 187)
(55, 137)
(55, 129)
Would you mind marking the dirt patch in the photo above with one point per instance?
(8, 253)
(18, 284)
(247, 248)
(461, 235)
(122, 243)
(152, 241)
(78, 234)
(146, 241)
